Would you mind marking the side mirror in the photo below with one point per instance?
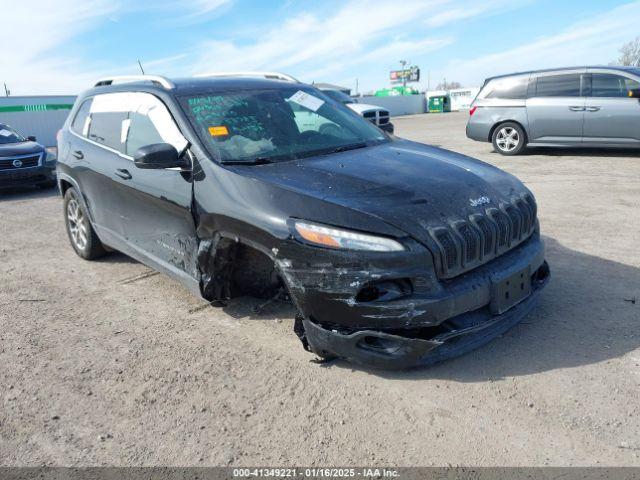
(634, 93)
(157, 155)
(31, 138)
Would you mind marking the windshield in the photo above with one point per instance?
(276, 124)
(338, 96)
(9, 135)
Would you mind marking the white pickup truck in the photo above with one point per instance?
(376, 115)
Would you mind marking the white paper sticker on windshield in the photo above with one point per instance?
(306, 100)
(6, 133)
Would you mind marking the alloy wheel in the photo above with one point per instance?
(77, 224)
(507, 139)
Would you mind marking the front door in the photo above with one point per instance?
(556, 108)
(156, 215)
(611, 116)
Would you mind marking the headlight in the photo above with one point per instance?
(344, 239)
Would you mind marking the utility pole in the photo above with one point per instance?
(356, 86)
(404, 77)
(140, 65)
(7, 92)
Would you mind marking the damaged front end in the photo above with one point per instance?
(412, 318)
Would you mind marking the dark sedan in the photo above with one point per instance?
(23, 161)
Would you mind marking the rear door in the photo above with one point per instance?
(95, 153)
(556, 107)
(611, 117)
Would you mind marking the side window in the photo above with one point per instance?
(126, 121)
(610, 85)
(142, 132)
(80, 124)
(106, 128)
(150, 122)
(559, 86)
(507, 88)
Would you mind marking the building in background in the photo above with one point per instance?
(461, 98)
(456, 99)
(40, 116)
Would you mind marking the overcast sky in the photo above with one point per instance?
(62, 46)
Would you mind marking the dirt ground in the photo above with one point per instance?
(109, 363)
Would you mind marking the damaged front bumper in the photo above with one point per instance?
(436, 320)
(454, 337)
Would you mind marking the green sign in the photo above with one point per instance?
(45, 107)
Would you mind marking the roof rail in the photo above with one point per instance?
(156, 79)
(271, 75)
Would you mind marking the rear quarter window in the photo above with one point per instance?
(507, 88)
(80, 124)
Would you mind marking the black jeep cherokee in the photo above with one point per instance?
(394, 253)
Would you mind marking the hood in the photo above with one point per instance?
(17, 149)
(363, 107)
(408, 185)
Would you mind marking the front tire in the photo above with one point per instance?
(82, 237)
(509, 139)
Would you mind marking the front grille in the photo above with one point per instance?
(369, 115)
(465, 244)
(449, 250)
(383, 117)
(27, 162)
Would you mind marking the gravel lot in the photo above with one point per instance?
(108, 363)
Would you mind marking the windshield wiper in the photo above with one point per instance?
(253, 161)
(353, 146)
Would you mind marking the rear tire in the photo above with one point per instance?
(509, 139)
(82, 237)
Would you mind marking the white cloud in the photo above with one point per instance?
(312, 45)
(589, 42)
(201, 7)
(461, 12)
(34, 59)
(186, 12)
(344, 40)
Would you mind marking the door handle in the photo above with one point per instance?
(576, 109)
(593, 109)
(123, 173)
(78, 154)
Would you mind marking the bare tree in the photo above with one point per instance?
(444, 85)
(630, 53)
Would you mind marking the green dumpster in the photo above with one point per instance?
(439, 104)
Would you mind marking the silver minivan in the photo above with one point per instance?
(577, 107)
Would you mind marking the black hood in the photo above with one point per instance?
(17, 149)
(406, 184)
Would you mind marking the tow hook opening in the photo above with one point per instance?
(541, 274)
(385, 290)
(383, 345)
